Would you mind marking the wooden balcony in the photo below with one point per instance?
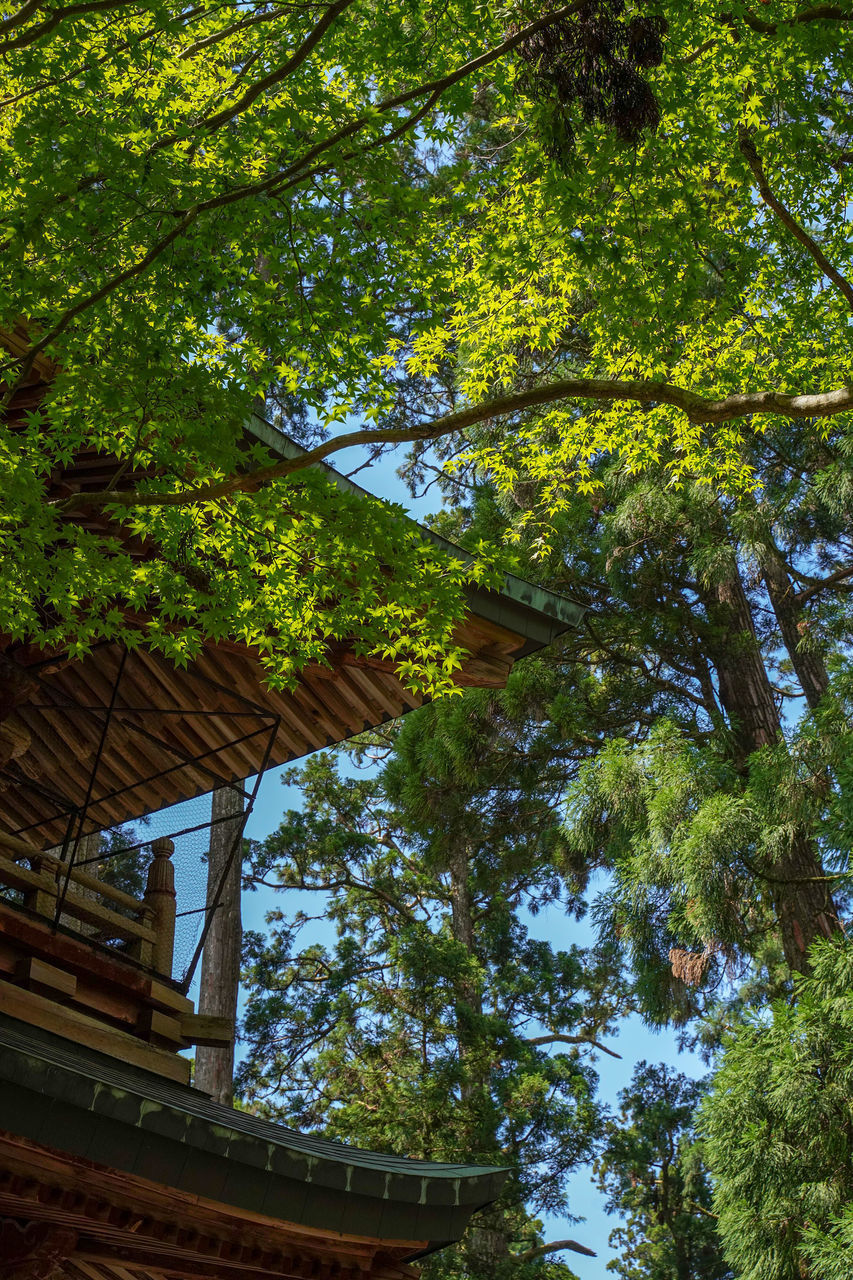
(92, 963)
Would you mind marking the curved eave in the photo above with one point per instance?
(533, 612)
(94, 1109)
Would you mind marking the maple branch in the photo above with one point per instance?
(294, 174)
(558, 1038)
(817, 13)
(41, 85)
(206, 42)
(32, 34)
(555, 1246)
(18, 19)
(697, 408)
(275, 77)
(753, 159)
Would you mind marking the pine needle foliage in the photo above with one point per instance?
(653, 1171)
(778, 1130)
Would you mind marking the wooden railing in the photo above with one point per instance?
(146, 928)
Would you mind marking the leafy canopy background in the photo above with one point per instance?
(203, 205)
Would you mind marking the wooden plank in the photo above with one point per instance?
(143, 1213)
(87, 881)
(327, 729)
(46, 979)
(16, 845)
(166, 997)
(334, 697)
(91, 912)
(276, 701)
(196, 738)
(147, 1256)
(86, 683)
(80, 731)
(14, 876)
(107, 1004)
(489, 671)
(38, 1011)
(160, 1028)
(148, 688)
(234, 674)
(91, 965)
(207, 1029)
(24, 849)
(365, 706)
(387, 704)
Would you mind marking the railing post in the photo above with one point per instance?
(160, 900)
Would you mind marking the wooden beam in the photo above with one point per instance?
(45, 979)
(34, 1250)
(146, 1257)
(38, 1011)
(206, 1029)
(151, 1203)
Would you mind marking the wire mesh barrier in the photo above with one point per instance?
(80, 838)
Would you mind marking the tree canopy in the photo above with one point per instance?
(592, 262)
(619, 227)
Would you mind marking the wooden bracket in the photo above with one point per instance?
(34, 1250)
(207, 1029)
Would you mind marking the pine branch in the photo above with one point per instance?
(824, 584)
(555, 1246)
(558, 1038)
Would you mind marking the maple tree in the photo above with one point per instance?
(207, 204)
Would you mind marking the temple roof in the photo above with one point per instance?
(103, 1113)
(176, 733)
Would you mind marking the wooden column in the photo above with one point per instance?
(220, 965)
(160, 900)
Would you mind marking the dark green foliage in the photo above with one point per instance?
(589, 63)
(778, 1126)
(434, 1024)
(653, 1172)
(125, 861)
(686, 756)
(703, 732)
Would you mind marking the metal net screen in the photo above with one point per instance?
(80, 826)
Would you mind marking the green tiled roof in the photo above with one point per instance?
(95, 1108)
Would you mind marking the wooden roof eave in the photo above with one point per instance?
(530, 611)
(106, 1113)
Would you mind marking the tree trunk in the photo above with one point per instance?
(220, 965)
(462, 927)
(486, 1245)
(487, 1252)
(801, 896)
(808, 665)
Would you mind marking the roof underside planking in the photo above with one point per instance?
(178, 733)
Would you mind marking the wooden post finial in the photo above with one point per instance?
(160, 899)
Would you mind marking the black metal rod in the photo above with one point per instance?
(141, 711)
(236, 844)
(175, 751)
(173, 835)
(60, 901)
(164, 773)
